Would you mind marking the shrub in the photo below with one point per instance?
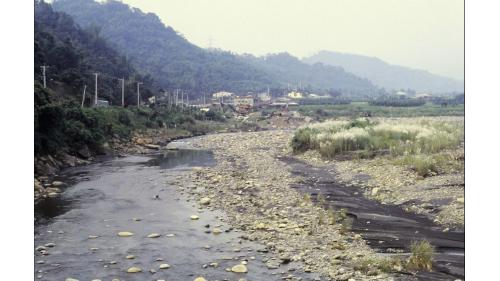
(301, 140)
(422, 254)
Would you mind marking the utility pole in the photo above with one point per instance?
(138, 95)
(96, 74)
(83, 99)
(176, 96)
(123, 92)
(182, 99)
(44, 67)
(204, 102)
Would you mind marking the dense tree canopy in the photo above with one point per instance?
(73, 55)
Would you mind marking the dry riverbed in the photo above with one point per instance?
(253, 188)
(439, 197)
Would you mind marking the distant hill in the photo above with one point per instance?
(386, 75)
(174, 62)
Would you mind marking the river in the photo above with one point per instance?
(79, 230)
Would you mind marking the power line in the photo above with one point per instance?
(96, 74)
(83, 98)
(123, 92)
(138, 95)
(44, 67)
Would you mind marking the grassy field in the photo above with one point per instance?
(357, 109)
(424, 144)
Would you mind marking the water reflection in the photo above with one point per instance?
(183, 157)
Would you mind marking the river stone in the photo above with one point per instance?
(130, 257)
(375, 191)
(216, 231)
(205, 201)
(200, 279)
(240, 268)
(154, 235)
(50, 245)
(461, 200)
(57, 183)
(164, 266)
(71, 279)
(194, 217)
(125, 234)
(134, 269)
(260, 226)
(93, 236)
(53, 194)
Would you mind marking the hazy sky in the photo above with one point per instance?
(425, 34)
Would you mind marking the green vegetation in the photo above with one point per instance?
(422, 254)
(65, 126)
(397, 101)
(362, 109)
(372, 265)
(419, 143)
(176, 63)
(73, 55)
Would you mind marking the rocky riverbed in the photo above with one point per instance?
(250, 215)
(252, 185)
(253, 188)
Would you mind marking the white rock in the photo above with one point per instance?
(125, 234)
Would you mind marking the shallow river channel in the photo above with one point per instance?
(79, 230)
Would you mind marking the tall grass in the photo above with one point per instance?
(400, 136)
(419, 143)
(422, 255)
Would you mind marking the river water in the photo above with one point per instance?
(118, 194)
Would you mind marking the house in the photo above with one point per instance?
(424, 96)
(295, 95)
(243, 101)
(264, 97)
(220, 95)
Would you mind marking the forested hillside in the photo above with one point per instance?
(176, 63)
(285, 67)
(73, 55)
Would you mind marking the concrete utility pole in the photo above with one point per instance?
(44, 67)
(123, 92)
(138, 95)
(96, 74)
(83, 99)
(182, 99)
(176, 96)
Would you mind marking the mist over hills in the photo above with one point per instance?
(174, 62)
(385, 75)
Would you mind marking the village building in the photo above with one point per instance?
(295, 95)
(264, 97)
(243, 101)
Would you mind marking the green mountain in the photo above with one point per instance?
(73, 55)
(176, 63)
(386, 75)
